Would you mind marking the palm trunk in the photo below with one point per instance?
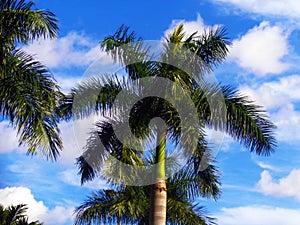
(158, 192)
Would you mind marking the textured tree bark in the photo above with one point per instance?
(158, 208)
(158, 192)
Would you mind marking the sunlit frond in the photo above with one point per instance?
(28, 99)
(21, 23)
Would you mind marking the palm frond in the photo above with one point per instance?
(16, 212)
(199, 177)
(193, 56)
(102, 148)
(180, 212)
(131, 52)
(15, 215)
(212, 46)
(20, 23)
(130, 204)
(93, 95)
(248, 123)
(225, 109)
(28, 99)
(126, 205)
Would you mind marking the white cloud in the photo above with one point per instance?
(74, 49)
(36, 209)
(276, 93)
(287, 120)
(58, 215)
(70, 143)
(8, 134)
(287, 8)
(74, 135)
(288, 186)
(258, 215)
(218, 141)
(189, 26)
(266, 166)
(280, 96)
(66, 83)
(261, 50)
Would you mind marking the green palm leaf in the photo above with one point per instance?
(28, 99)
(28, 92)
(15, 215)
(20, 23)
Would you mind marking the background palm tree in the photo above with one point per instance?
(28, 91)
(15, 215)
(131, 205)
(240, 118)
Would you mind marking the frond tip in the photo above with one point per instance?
(248, 123)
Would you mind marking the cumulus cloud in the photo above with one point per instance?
(37, 210)
(276, 93)
(76, 54)
(285, 187)
(257, 215)
(287, 8)
(74, 49)
(261, 50)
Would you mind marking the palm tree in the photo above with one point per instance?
(236, 115)
(15, 215)
(28, 91)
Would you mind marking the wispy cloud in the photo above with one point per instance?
(267, 166)
(257, 215)
(288, 8)
(70, 177)
(238, 188)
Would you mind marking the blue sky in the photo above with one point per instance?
(263, 63)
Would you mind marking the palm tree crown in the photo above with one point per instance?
(15, 215)
(184, 61)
